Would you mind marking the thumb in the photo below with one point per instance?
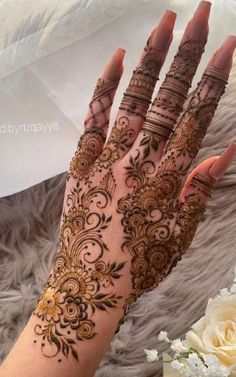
(203, 177)
(195, 194)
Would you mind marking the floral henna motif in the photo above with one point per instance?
(151, 215)
(91, 142)
(119, 141)
(91, 157)
(89, 148)
(79, 281)
(148, 213)
(192, 127)
(190, 214)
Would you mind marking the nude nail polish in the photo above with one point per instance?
(221, 165)
(162, 35)
(198, 27)
(221, 62)
(113, 68)
(223, 57)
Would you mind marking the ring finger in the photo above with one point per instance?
(186, 140)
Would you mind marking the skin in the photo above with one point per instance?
(130, 207)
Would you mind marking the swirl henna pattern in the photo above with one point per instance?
(94, 272)
(73, 290)
(168, 103)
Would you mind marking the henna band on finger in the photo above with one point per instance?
(158, 128)
(135, 104)
(205, 185)
(137, 96)
(101, 102)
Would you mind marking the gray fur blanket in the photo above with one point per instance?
(29, 226)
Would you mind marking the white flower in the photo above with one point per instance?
(195, 363)
(152, 355)
(187, 372)
(217, 371)
(175, 364)
(215, 368)
(215, 332)
(163, 337)
(179, 346)
(211, 360)
(224, 292)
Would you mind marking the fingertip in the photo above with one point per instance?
(221, 164)
(114, 68)
(168, 19)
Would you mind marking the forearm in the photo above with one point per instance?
(34, 356)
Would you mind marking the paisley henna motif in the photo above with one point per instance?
(151, 216)
(79, 282)
(157, 230)
(147, 215)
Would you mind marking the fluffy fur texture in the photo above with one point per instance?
(29, 226)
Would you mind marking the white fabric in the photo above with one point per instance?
(52, 53)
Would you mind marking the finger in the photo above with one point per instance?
(196, 192)
(100, 106)
(96, 123)
(137, 97)
(168, 103)
(186, 140)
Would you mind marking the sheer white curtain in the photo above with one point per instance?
(52, 53)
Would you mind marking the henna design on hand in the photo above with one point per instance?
(138, 95)
(156, 229)
(91, 142)
(77, 285)
(191, 129)
(168, 104)
(147, 212)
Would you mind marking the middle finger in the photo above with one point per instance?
(172, 94)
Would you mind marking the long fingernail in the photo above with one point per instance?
(223, 57)
(198, 27)
(220, 166)
(162, 35)
(113, 68)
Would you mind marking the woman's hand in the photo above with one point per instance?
(130, 208)
(128, 215)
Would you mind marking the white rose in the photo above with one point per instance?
(215, 333)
